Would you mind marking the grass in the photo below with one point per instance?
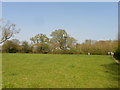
(59, 71)
(0, 70)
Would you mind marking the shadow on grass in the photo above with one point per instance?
(117, 58)
(114, 70)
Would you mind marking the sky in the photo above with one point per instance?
(0, 9)
(81, 20)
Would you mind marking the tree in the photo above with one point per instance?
(40, 42)
(117, 54)
(40, 38)
(71, 42)
(8, 30)
(25, 48)
(63, 40)
(41, 48)
(10, 47)
(16, 41)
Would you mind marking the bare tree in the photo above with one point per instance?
(7, 31)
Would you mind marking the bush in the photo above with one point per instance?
(10, 47)
(41, 48)
(25, 47)
(59, 51)
(117, 54)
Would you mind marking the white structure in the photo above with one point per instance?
(109, 53)
(88, 53)
(112, 53)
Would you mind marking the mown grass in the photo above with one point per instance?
(59, 71)
(0, 70)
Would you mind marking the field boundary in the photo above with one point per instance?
(117, 61)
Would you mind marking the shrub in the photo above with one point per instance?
(41, 48)
(117, 54)
(10, 47)
(71, 51)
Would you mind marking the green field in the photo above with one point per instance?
(59, 71)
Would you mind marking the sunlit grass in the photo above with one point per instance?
(59, 71)
(0, 70)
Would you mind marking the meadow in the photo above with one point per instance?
(58, 71)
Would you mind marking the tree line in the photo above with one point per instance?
(59, 43)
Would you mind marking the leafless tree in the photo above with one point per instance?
(7, 31)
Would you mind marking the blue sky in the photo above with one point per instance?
(0, 10)
(82, 20)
